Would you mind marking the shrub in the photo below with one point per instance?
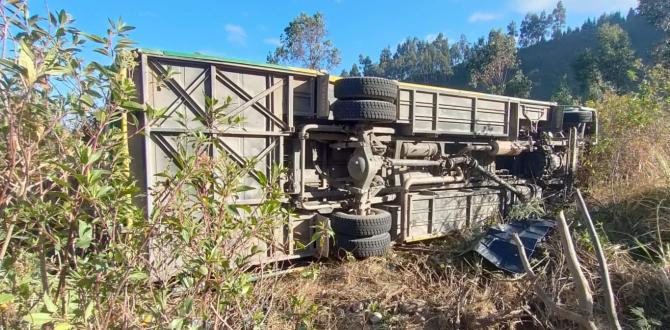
(76, 250)
(627, 172)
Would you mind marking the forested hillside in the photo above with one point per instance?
(547, 62)
(544, 61)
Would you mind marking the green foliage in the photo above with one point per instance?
(512, 30)
(76, 250)
(304, 43)
(532, 208)
(492, 61)
(658, 13)
(534, 28)
(519, 85)
(611, 66)
(616, 57)
(547, 63)
(628, 181)
(587, 73)
(311, 273)
(304, 312)
(635, 187)
(642, 322)
(66, 192)
(558, 20)
(460, 51)
(622, 115)
(415, 60)
(563, 94)
(354, 72)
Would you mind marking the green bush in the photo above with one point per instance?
(634, 133)
(627, 172)
(76, 250)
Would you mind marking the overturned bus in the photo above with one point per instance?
(381, 161)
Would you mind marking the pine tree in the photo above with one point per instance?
(512, 30)
(460, 51)
(658, 13)
(534, 28)
(354, 72)
(563, 94)
(519, 85)
(589, 76)
(414, 60)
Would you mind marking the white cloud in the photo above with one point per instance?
(236, 34)
(272, 41)
(431, 37)
(482, 17)
(589, 7)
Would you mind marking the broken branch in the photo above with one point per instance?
(557, 309)
(602, 262)
(581, 285)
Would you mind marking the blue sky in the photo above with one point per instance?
(249, 29)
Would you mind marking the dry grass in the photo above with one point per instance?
(420, 286)
(636, 162)
(432, 286)
(628, 182)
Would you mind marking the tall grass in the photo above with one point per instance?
(627, 174)
(628, 181)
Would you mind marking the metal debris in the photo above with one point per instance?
(498, 247)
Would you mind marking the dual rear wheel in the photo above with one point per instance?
(362, 235)
(372, 100)
(369, 99)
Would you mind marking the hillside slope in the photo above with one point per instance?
(546, 63)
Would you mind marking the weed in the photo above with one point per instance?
(303, 311)
(642, 322)
(312, 272)
(531, 208)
